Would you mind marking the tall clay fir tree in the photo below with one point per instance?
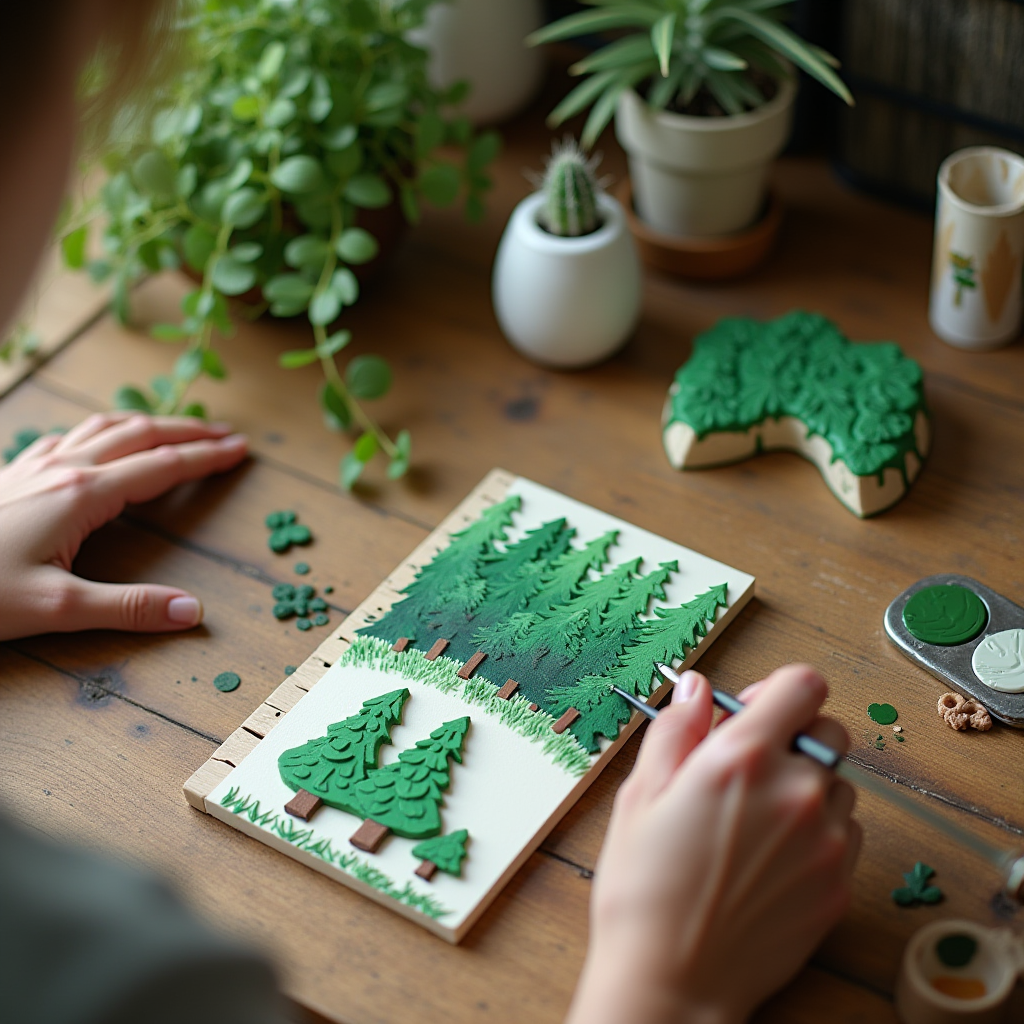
(552, 616)
(405, 797)
(331, 766)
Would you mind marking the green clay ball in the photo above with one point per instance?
(883, 714)
(945, 615)
(301, 568)
(289, 670)
(278, 542)
(227, 681)
(283, 592)
(299, 534)
(305, 592)
(329, 589)
(303, 624)
(321, 619)
(956, 950)
(283, 610)
(318, 604)
(300, 607)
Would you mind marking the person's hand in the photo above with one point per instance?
(63, 487)
(727, 860)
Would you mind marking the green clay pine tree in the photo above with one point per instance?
(444, 853)
(330, 766)
(405, 797)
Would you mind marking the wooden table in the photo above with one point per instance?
(99, 731)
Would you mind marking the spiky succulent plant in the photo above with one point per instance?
(570, 191)
(682, 46)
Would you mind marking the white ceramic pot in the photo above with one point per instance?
(566, 302)
(482, 42)
(976, 296)
(701, 176)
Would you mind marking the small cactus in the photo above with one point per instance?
(570, 190)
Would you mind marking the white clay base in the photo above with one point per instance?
(862, 495)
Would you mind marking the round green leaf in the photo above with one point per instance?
(232, 277)
(154, 175)
(168, 332)
(279, 113)
(298, 174)
(243, 208)
(213, 365)
(368, 190)
(366, 447)
(189, 365)
(336, 410)
(306, 251)
(368, 377)
(128, 397)
(324, 308)
(195, 409)
(246, 109)
(186, 181)
(271, 60)
(241, 173)
(404, 444)
(334, 343)
(73, 247)
(485, 148)
(299, 357)
(339, 138)
(295, 83)
(351, 469)
(345, 285)
(357, 246)
(429, 133)
(247, 252)
(440, 184)
(290, 288)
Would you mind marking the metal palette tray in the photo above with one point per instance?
(953, 664)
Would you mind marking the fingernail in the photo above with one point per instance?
(221, 428)
(235, 441)
(685, 687)
(187, 611)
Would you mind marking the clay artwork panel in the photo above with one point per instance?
(384, 774)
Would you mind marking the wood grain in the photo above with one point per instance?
(824, 579)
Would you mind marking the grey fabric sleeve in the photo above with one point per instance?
(85, 941)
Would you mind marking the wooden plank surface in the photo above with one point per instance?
(824, 581)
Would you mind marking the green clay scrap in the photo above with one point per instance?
(289, 670)
(955, 950)
(945, 615)
(883, 714)
(329, 589)
(791, 383)
(917, 889)
(301, 601)
(227, 681)
(285, 531)
(301, 568)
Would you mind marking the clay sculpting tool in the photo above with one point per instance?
(1009, 862)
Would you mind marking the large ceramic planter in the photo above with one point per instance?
(482, 42)
(702, 176)
(566, 302)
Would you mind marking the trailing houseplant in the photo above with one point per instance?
(701, 91)
(256, 168)
(566, 283)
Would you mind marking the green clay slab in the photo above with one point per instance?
(945, 615)
(998, 661)
(883, 714)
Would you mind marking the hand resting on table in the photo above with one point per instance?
(63, 487)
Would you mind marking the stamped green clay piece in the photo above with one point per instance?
(285, 531)
(795, 382)
(917, 889)
(945, 615)
(227, 681)
(956, 950)
(302, 568)
(998, 661)
(883, 714)
(304, 624)
(320, 619)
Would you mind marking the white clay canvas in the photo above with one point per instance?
(506, 739)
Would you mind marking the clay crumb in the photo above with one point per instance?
(897, 728)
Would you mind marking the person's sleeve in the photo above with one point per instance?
(85, 941)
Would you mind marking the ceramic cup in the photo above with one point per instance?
(979, 248)
(974, 992)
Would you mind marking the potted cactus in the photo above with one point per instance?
(566, 284)
(702, 95)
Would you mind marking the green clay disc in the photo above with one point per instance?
(318, 604)
(305, 592)
(328, 589)
(289, 669)
(301, 568)
(303, 624)
(283, 592)
(283, 609)
(321, 619)
(227, 681)
(945, 615)
(956, 950)
(883, 714)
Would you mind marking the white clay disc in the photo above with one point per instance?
(999, 661)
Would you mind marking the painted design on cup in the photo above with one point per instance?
(963, 275)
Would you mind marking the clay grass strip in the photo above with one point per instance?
(303, 805)
(514, 713)
(570, 716)
(507, 690)
(306, 839)
(472, 665)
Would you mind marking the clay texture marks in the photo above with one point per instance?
(406, 796)
(998, 661)
(330, 766)
(945, 615)
(865, 400)
(551, 615)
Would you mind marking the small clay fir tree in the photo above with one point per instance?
(330, 766)
(405, 797)
(443, 853)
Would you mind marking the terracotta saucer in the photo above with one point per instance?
(703, 259)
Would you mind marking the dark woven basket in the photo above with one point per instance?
(929, 77)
